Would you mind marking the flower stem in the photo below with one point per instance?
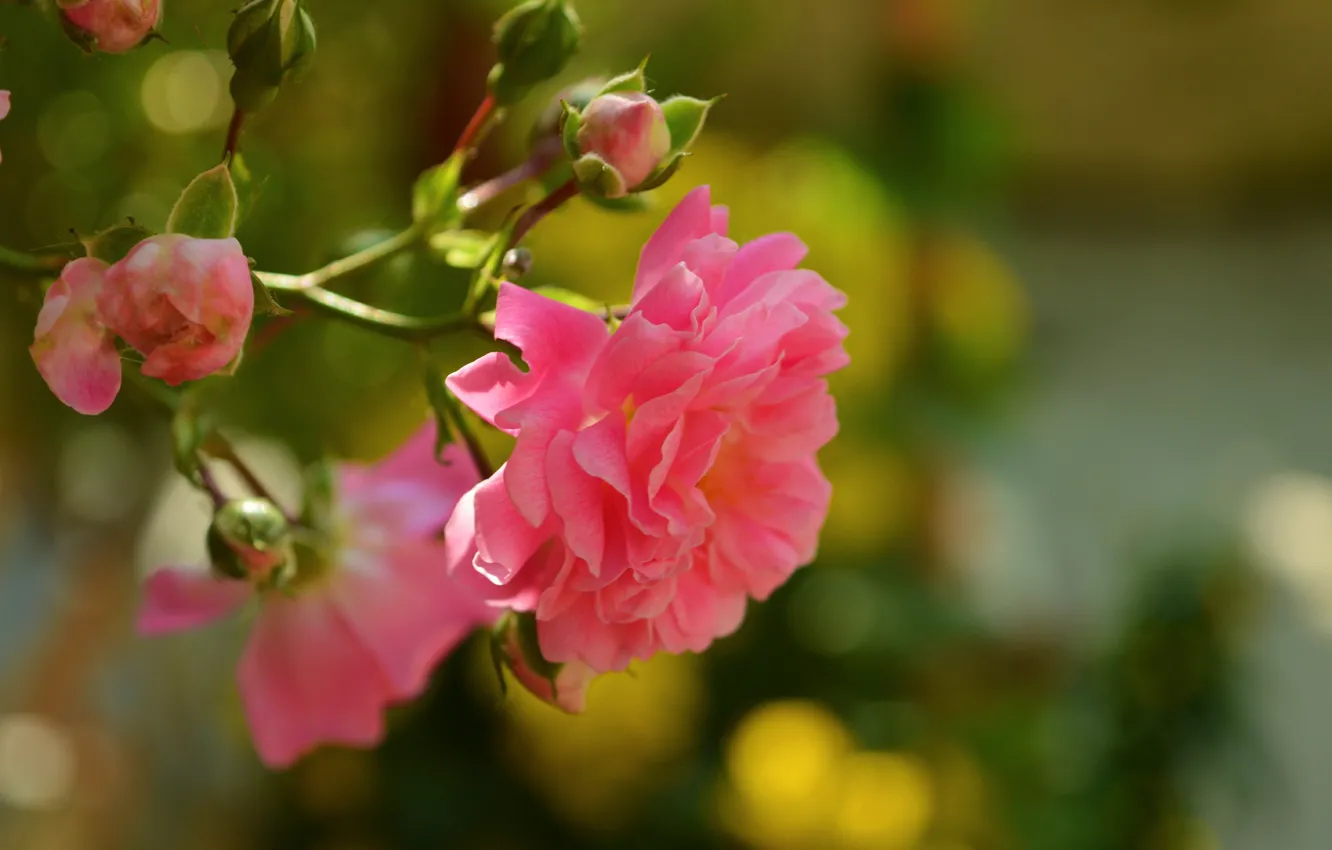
(39, 264)
(345, 266)
(399, 325)
(544, 155)
(210, 483)
(233, 134)
(541, 209)
(475, 131)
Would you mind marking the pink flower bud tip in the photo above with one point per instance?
(114, 26)
(628, 131)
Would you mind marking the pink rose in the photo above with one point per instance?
(184, 303)
(359, 631)
(113, 26)
(73, 350)
(628, 131)
(666, 472)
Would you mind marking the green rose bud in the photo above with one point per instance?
(270, 42)
(250, 539)
(535, 40)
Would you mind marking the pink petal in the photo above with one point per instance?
(306, 679)
(691, 219)
(73, 350)
(637, 344)
(674, 301)
(491, 385)
(405, 609)
(505, 541)
(771, 253)
(180, 598)
(408, 494)
(4, 103)
(579, 500)
(550, 334)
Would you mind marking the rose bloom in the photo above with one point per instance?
(116, 26)
(184, 303)
(355, 632)
(665, 472)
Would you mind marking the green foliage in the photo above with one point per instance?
(208, 208)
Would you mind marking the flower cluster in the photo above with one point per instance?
(185, 304)
(664, 465)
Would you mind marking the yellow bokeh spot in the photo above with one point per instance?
(182, 92)
(596, 767)
(873, 496)
(886, 802)
(979, 309)
(783, 762)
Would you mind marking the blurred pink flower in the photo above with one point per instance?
(114, 26)
(73, 350)
(184, 303)
(628, 131)
(360, 632)
(665, 472)
(4, 104)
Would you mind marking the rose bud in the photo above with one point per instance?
(72, 348)
(627, 131)
(184, 303)
(111, 26)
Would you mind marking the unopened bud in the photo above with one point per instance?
(625, 141)
(628, 132)
(534, 41)
(517, 263)
(270, 42)
(562, 685)
(250, 539)
(111, 26)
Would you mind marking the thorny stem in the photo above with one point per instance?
(477, 127)
(233, 134)
(544, 155)
(541, 209)
(210, 483)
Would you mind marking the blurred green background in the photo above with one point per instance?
(1076, 587)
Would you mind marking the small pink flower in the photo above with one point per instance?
(666, 472)
(184, 303)
(359, 632)
(628, 131)
(113, 26)
(73, 350)
(4, 103)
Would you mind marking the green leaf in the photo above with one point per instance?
(570, 123)
(112, 244)
(635, 80)
(208, 207)
(435, 195)
(247, 188)
(572, 299)
(598, 177)
(463, 249)
(638, 202)
(685, 117)
(264, 303)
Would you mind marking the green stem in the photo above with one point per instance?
(345, 266)
(416, 328)
(38, 264)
